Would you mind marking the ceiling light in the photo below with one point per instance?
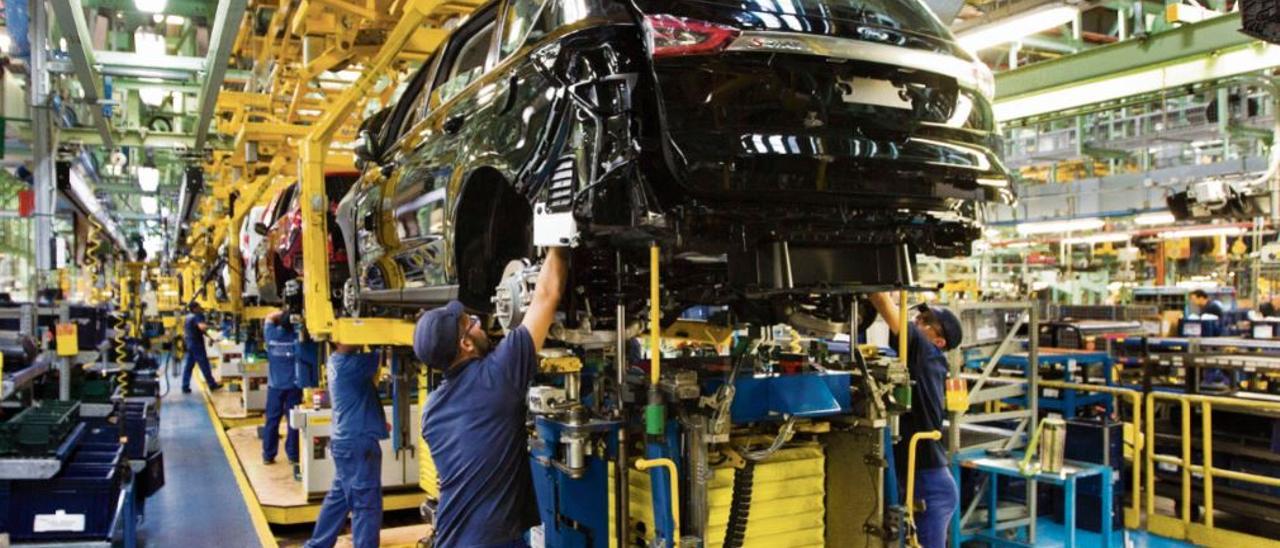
(1202, 232)
(1158, 218)
(1071, 225)
(157, 18)
(1115, 237)
(175, 20)
(149, 44)
(1015, 28)
(148, 179)
(150, 204)
(5, 42)
(150, 6)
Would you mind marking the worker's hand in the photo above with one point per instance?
(546, 295)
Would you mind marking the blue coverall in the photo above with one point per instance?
(359, 424)
(194, 338)
(283, 392)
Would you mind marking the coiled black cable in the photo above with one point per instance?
(740, 505)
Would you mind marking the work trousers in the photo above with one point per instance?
(357, 489)
(938, 490)
(191, 360)
(279, 402)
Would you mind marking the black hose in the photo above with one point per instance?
(740, 505)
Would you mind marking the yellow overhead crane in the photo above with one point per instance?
(320, 319)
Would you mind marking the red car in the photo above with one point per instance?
(279, 257)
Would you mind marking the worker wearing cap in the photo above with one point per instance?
(359, 426)
(474, 422)
(283, 392)
(935, 330)
(194, 329)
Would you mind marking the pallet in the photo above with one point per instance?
(229, 406)
(281, 498)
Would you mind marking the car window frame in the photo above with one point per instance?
(502, 30)
(457, 40)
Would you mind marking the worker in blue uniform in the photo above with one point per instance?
(474, 422)
(194, 330)
(1214, 379)
(283, 392)
(359, 425)
(933, 331)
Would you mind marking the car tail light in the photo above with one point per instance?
(671, 36)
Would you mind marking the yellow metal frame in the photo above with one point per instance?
(1132, 514)
(1184, 528)
(318, 310)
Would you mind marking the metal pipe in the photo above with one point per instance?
(1206, 458)
(902, 328)
(1151, 453)
(644, 465)
(655, 317)
(620, 468)
(1186, 462)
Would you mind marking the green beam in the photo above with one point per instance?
(135, 138)
(1186, 41)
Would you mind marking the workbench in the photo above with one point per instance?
(1072, 472)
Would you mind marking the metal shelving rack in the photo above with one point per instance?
(989, 336)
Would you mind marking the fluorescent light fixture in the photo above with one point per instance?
(1113, 237)
(150, 6)
(150, 204)
(5, 42)
(1016, 27)
(1071, 225)
(175, 20)
(1158, 218)
(148, 179)
(1202, 232)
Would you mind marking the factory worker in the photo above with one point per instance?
(194, 330)
(474, 422)
(359, 425)
(935, 330)
(283, 392)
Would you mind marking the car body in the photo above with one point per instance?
(278, 257)
(774, 151)
(249, 243)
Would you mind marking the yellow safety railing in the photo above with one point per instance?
(1132, 514)
(1183, 528)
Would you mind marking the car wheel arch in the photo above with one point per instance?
(492, 223)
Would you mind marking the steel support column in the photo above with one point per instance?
(226, 26)
(41, 143)
(80, 48)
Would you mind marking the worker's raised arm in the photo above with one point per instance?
(885, 306)
(546, 296)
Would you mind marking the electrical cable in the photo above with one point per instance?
(740, 505)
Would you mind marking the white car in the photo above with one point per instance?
(249, 242)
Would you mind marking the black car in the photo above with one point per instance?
(778, 152)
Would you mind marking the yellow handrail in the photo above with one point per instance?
(645, 464)
(910, 467)
(1206, 469)
(1132, 515)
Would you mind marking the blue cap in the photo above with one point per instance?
(435, 338)
(951, 330)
